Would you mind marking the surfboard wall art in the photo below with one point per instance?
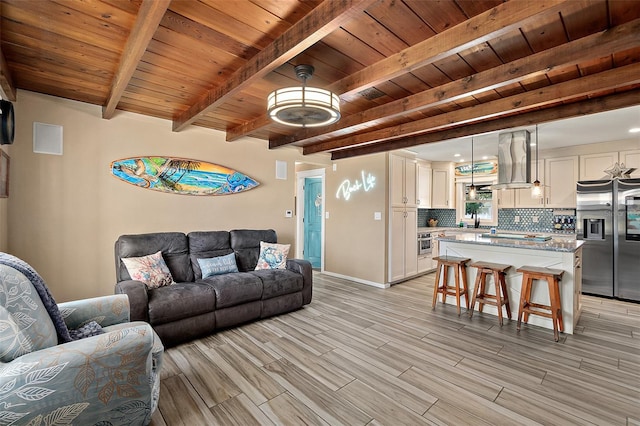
(181, 176)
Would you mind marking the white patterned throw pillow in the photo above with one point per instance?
(218, 265)
(273, 256)
(151, 270)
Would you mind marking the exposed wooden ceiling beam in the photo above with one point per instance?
(596, 45)
(472, 32)
(481, 28)
(7, 89)
(594, 83)
(593, 46)
(249, 127)
(149, 16)
(314, 26)
(576, 109)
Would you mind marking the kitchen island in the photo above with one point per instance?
(556, 253)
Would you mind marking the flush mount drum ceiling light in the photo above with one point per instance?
(303, 106)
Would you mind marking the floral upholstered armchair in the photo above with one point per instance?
(80, 362)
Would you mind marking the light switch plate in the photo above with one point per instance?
(288, 213)
(377, 215)
(326, 215)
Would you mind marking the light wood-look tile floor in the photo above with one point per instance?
(359, 355)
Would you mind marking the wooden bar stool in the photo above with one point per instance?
(480, 294)
(460, 283)
(552, 277)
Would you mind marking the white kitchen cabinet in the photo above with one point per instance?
(506, 198)
(424, 185)
(403, 216)
(425, 263)
(443, 187)
(403, 246)
(593, 166)
(402, 181)
(524, 199)
(631, 159)
(561, 175)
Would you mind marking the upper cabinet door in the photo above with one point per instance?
(593, 166)
(402, 185)
(561, 175)
(631, 159)
(524, 198)
(396, 186)
(441, 193)
(410, 176)
(424, 186)
(506, 198)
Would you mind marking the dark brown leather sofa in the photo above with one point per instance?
(193, 307)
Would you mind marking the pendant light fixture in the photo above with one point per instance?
(472, 188)
(303, 106)
(536, 189)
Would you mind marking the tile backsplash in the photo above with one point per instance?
(525, 220)
(446, 217)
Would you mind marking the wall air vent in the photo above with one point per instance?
(371, 93)
(47, 138)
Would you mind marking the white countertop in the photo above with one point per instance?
(556, 243)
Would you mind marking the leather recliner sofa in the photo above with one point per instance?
(193, 307)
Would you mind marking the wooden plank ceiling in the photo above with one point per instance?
(408, 72)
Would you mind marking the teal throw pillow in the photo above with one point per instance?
(218, 265)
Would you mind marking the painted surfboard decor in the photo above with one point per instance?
(181, 176)
(480, 168)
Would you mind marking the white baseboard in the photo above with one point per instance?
(358, 280)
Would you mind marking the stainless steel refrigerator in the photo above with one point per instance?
(608, 221)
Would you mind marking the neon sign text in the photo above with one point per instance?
(347, 188)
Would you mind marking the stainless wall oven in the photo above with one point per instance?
(424, 243)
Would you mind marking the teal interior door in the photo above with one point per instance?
(313, 220)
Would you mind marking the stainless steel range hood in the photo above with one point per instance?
(514, 163)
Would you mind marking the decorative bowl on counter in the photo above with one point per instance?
(433, 222)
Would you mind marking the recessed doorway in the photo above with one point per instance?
(310, 225)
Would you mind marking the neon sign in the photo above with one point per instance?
(347, 188)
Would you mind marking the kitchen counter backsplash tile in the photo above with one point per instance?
(445, 217)
(547, 221)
